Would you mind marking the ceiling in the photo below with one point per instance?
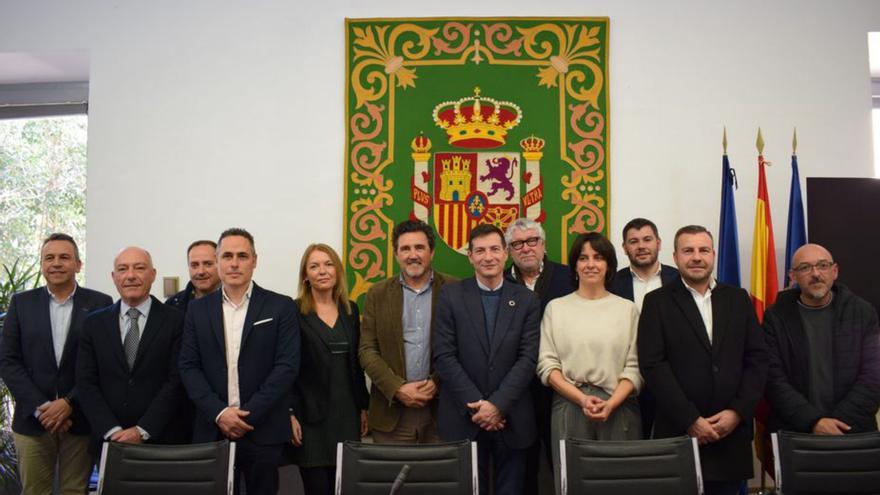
(18, 68)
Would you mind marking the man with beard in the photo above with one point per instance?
(641, 242)
(201, 258)
(703, 354)
(824, 374)
(395, 347)
(532, 268)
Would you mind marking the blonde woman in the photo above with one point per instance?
(588, 354)
(330, 395)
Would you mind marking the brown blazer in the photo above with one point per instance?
(381, 347)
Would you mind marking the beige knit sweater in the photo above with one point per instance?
(590, 341)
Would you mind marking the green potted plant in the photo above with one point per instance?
(15, 278)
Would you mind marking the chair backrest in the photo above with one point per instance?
(819, 464)
(435, 469)
(197, 469)
(669, 466)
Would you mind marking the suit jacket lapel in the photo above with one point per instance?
(44, 323)
(215, 315)
(255, 307)
(473, 303)
(720, 312)
(76, 319)
(506, 309)
(394, 306)
(685, 301)
(112, 333)
(152, 327)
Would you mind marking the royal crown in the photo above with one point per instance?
(477, 121)
(421, 144)
(532, 144)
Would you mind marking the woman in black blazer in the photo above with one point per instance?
(330, 396)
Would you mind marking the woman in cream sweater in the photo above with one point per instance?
(588, 353)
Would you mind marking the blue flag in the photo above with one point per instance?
(728, 238)
(797, 228)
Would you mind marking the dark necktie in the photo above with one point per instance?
(132, 337)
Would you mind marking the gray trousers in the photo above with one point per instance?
(568, 421)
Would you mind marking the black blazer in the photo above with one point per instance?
(27, 356)
(310, 399)
(149, 395)
(691, 377)
(267, 364)
(622, 283)
(471, 368)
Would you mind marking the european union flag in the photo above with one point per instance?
(797, 228)
(728, 238)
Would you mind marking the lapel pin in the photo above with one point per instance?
(511, 303)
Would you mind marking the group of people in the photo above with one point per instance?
(514, 358)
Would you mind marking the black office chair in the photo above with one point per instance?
(826, 465)
(669, 466)
(435, 469)
(198, 469)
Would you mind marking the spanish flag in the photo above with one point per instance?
(765, 285)
(765, 282)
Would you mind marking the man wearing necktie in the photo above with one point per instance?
(127, 366)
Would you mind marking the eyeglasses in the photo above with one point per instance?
(531, 241)
(804, 268)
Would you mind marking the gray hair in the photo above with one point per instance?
(524, 224)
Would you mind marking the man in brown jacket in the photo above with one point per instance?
(395, 347)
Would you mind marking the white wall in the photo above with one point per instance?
(208, 114)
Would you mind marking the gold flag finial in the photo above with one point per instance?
(724, 140)
(759, 143)
(794, 143)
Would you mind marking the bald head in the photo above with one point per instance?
(133, 274)
(814, 271)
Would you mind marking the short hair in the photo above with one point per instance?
(601, 245)
(203, 242)
(58, 236)
(410, 226)
(638, 223)
(691, 230)
(340, 290)
(483, 230)
(524, 224)
(236, 231)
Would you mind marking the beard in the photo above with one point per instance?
(643, 264)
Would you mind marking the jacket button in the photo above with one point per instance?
(131, 382)
(491, 368)
(715, 368)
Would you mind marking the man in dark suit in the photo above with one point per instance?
(532, 268)
(641, 242)
(395, 344)
(485, 345)
(703, 354)
(201, 259)
(38, 349)
(239, 360)
(127, 365)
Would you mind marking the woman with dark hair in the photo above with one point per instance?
(588, 353)
(330, 395)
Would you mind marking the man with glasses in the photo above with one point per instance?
(531, 267)
(824, 374)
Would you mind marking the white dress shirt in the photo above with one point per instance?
(704, 304)
(233, 326)
(643, 286)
